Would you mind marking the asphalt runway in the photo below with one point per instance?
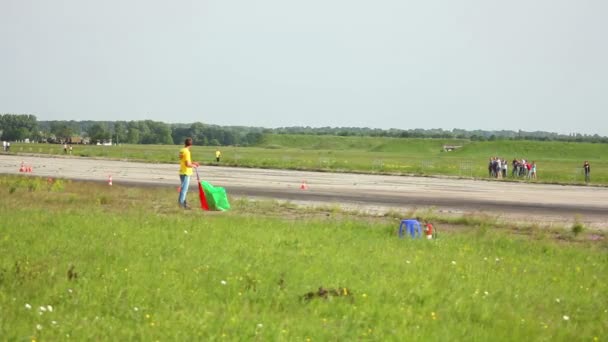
(542, 203)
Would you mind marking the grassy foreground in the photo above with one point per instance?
(85, 261)
(558, 162)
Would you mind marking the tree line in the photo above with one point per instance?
(19, 127)
(438, 133)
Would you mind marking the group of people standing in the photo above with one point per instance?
(524, 168)
(6, 146)
(498, 168)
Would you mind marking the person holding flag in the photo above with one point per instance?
(185, 171)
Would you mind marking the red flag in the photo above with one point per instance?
(201, 193)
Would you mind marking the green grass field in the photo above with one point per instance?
(558, 162)
(84, 261)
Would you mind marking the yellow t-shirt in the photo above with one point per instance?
(218, 154)
(184, 159)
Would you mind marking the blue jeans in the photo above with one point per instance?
(185, 180)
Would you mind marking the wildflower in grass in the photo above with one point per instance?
(497, 260)
(566, 318)
(27, 306)
(148, 316)
(407, 261)
(42, 308)
(185, 232)
(260, 325)
(557, 300)
(70, 291)
(433, 315)
(364, 295)
(223, 282)
(50, 308)
(453, 262)
(486, 293)
(38, 327)
(135, 308)
(54, 322)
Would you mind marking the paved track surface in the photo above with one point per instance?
(519, 201)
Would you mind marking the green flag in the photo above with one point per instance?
(216, 197)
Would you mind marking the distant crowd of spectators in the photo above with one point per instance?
(498, 168)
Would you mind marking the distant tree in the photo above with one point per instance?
(179, 134)
(99, 132)
(133, 136)
(156, 133)
(62, 130)
(133, 133)
(253, 138)
(120, 132)
(18, 126)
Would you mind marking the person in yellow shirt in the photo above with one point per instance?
(218, 154)
(185, 171)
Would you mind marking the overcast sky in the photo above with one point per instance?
(472, 64)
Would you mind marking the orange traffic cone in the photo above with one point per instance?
(110, 180)
(428, 231)
(303, 186)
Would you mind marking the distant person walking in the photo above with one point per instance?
(65, 148)
(4, 145)
(185, 171)
(70, 148)
(8, 146)
(587, 169)
(218, 155)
